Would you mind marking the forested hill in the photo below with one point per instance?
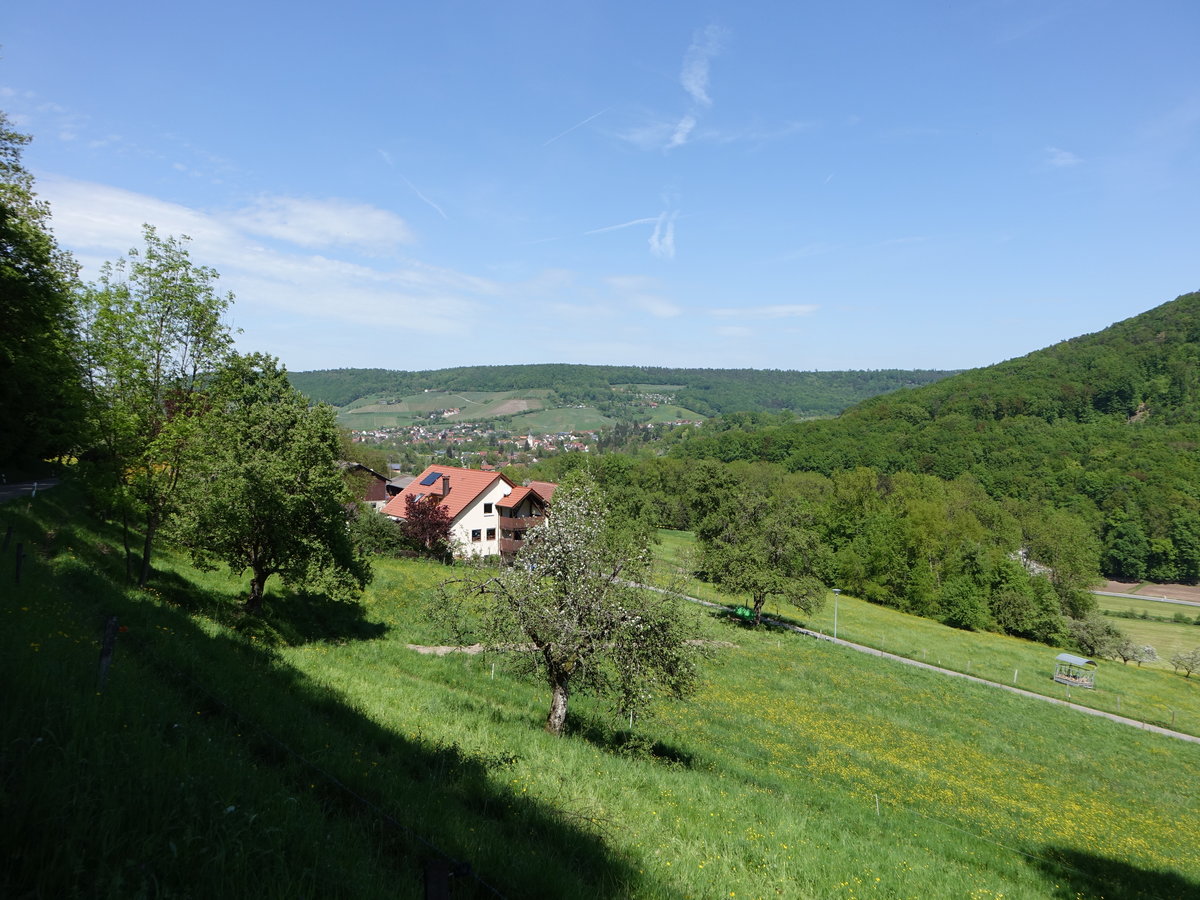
(706, 391)
(1146, 367)
(1106, 425)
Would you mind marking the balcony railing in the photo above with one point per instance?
(513, 523)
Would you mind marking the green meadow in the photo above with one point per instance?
(1167, 627)
(312, 753)
(560, 419)
(1152, 694)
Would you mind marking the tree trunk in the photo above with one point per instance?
(147, 549)
(254, 602)
(758, 605)
(558, 709)
(125, 541)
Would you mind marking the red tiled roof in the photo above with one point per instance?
(513, 500)
(465, 486)
(545, 488)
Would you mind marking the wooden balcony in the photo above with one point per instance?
(509, 546)
(524, 524)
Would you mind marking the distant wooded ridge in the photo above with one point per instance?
(708, 392)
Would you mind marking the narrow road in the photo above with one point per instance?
(24, 488)
(862, 648)
(1146, 597)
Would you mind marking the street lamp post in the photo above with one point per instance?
(837, 592)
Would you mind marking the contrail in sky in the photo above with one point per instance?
(426, 199)
(576, 125)
(648, 221)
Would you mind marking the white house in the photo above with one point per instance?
(489, 515)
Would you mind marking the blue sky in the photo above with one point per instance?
(772, 185)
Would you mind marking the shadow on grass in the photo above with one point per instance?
(288, 618)
(770, 622)
(627, 743)
(1076, 873)
(413, 792)
(199, 693)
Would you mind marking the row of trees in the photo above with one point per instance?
(135, 377)
(213, 447)
(929, 546)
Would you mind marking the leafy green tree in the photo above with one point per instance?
(1186, 661)
(153, 335)
(1126, 548)
(263, 491)
(1094, 635)
(753, 545)
(1185, 534)
(1065, 544)
(40, 390)
(377, 535)
(571, 613)
(964, 605)
(1012, 602)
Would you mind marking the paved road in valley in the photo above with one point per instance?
(1146, 597)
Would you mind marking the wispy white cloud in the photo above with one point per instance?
(1061, 159)
(817, 248)
(644, 294)
(760, 134)
(735, 331)
(662, 238)
(573, 127)
(683, 130)
(779, 311)
(694, 76)
(662, 241)
(324, 223)
(100, 223)
(660, 132)
(650, 134)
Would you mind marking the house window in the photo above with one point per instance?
(491, 535)
(487, 509)
(476, 534)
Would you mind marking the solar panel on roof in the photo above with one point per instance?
(430, 478)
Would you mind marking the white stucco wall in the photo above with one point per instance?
(473, 518)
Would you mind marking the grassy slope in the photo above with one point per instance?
(764, 785)
(1151, 693)
(525, 410)
(562, 419)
